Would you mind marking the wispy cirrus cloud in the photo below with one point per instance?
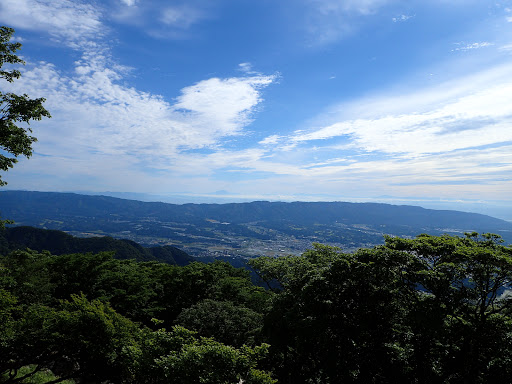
(273, 139)
(472, 116)
(181, 16)
(363, 7)
(164, 19)
(471, 46)
(433, 139)
(247, 68)
(330, 20)
(402, 18)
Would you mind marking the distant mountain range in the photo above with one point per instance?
(238, 229)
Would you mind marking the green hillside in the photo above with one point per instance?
(59, 243)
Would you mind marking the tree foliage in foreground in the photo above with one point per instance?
(424, 310)
(89, 341)
(434, 309)
(88, 317)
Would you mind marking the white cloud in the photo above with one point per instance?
(77, 23)
(480, 171)
(471, 46)
(245, 67)
(454, 133)
(99, 120)
(273, 139)
(94, 112)
(101, 114)
(401, 18)
(225, 103)
(69, 22)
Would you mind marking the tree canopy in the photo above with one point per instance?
(93, 318)
(433, 309)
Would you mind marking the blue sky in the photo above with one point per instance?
(356, 100)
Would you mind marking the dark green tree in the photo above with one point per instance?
(224, 321)
(78, 339)
(16, 111)
(434, 309)
(180, 357)
(460, 320)
(337, 317)
(26, 275)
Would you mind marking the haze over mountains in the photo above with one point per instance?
(238, 229)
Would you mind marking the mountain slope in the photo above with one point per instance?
(59, 243)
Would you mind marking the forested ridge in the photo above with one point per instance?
(58, 243)
(434, 309)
